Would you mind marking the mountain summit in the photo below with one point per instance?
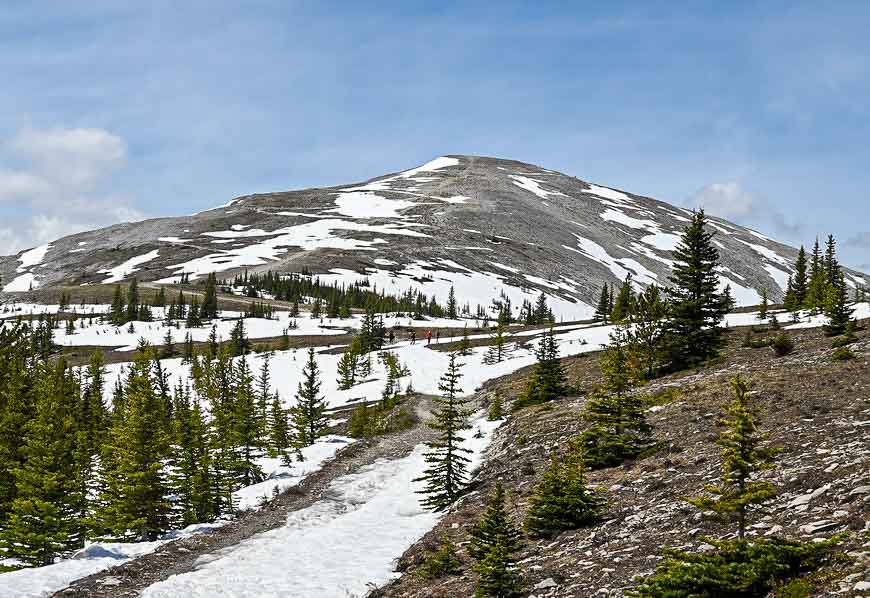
(483, 225)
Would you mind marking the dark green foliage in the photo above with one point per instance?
(842, 354)
(442, 563)
(496, 408)
(496, 352)
(837, 307)
(562, 501)
(783, 344)
(493, 543)
(694, 335)
(649, 325)
(743, 456)
(239, 340)
(548, 380)
(603, 309)
(43, 520)
(800, 280)
(735, 569)
(309, 414)
(619, 429)
(209, 309)
(447, 466)
(134, 500)
(762, 309)
(623, 305)
(294, 288)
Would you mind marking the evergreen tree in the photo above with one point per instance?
(247, 429)
(837, 307)
(118, 315)
(602, 311)
(194, 317)
(209, 310)
(649, 327)
(309, 414)
(496, 408)
(496, 353)
(696, 308)
(279, 430)
(562, 500)
(447, 466)
(160, 298)
(619, 429)
(465, 343)
(624, 303)
(135, 501)
(191, 461)
(743, 456)
(728, 300)
(133, 300)
(42, 523)
(817, 291)
(493, 542)
(238, 339)
(800, 280)
(547, 381)
(762, 309)
(451, 304)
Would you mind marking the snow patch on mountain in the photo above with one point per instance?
(122, 271)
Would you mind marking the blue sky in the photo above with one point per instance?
(109, 113)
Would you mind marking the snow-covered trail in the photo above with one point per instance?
(336, 547)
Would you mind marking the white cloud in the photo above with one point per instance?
(726, 200)
(59, 185)
(76, 158)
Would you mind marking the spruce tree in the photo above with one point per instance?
(837, 308)
(279, 430)
(238, 339)
(209, 309)
(649, 321)
(133, 300)
(602, 311)
(800, 280)
(118, 314)
(624, 302)
(309, 414)
(447, 466)
(496, 352)
(762, 308)
(548, 380)
(451, 304)
(135, 501)
(43, 520)
(817, 291)
(696, 308)
(493, 543)
(247, 429)
(743, 456)
(562, 500)
(619, 429)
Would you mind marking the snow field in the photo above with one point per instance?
(333, 548)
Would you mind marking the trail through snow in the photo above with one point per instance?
(335, 547)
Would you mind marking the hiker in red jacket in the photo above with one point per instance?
(429, 337)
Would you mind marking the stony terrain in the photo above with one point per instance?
(473, 222)
(816, 410)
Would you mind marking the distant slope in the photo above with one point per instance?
(483, 225)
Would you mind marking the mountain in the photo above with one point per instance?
(483, 225)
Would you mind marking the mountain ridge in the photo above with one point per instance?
(484, 225)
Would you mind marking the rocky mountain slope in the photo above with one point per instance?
(817, 411)
(483, 225)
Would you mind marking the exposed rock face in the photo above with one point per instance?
(473, 222)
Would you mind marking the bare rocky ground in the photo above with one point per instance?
(181, 556)
(816, 410)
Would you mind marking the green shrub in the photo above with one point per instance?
(782, 344)
(441, 563)
(735, 569)
(844, 341)
(842, 354)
